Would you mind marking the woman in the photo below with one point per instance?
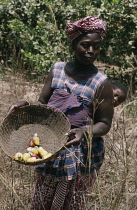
(83, 93)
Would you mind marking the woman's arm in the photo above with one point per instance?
(47, 90)
(104, 110)
(102, 115)
(44, 96)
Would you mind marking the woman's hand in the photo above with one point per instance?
(36, 103)
(17, 105)
(75, 136)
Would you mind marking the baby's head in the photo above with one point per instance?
(119, 92)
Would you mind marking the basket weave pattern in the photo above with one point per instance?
(19, 127)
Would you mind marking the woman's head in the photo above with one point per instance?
(119, 92)
(94, 24)
(86, 35)
(87, 48)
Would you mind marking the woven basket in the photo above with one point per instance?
(20, 125)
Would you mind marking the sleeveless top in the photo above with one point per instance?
(75, 99)
(86, 89)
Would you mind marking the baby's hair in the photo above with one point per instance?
(117, 84)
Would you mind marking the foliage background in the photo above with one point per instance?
(33, 34)
(32, 38)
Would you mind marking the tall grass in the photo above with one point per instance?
(116, 184)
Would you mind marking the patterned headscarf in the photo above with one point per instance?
(86, 24)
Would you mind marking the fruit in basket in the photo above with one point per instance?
(36, 139)
(32, 159)
(31, 143)
(47, 156)
(42, 152)
(26, 156)
(33, 150)
(29, 149)
(34, 155)
(18, 156)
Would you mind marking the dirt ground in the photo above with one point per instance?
(116, 185)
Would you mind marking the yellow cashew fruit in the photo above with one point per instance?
(18, 156)
(36, 139)
(26, 156)
(42, 152)
(47, 156)
(32, 159)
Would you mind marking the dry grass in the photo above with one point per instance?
(116, 185)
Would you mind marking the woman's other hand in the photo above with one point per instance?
(36, 103)
(75, 136)
(17, 105)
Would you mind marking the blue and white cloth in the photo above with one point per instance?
(76, 101)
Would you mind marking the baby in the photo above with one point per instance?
(119, 92)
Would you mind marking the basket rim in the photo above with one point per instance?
(40, 106)
(35, 105)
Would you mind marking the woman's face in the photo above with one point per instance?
(88, 48)
(119, 96)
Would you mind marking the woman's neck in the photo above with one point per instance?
(85, 69)
(79, 71)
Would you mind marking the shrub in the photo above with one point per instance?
(33, 33)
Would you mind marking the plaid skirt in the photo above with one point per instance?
(51, 194)
(74, 161)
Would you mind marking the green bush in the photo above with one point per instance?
(120, 50)
(33, 32)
